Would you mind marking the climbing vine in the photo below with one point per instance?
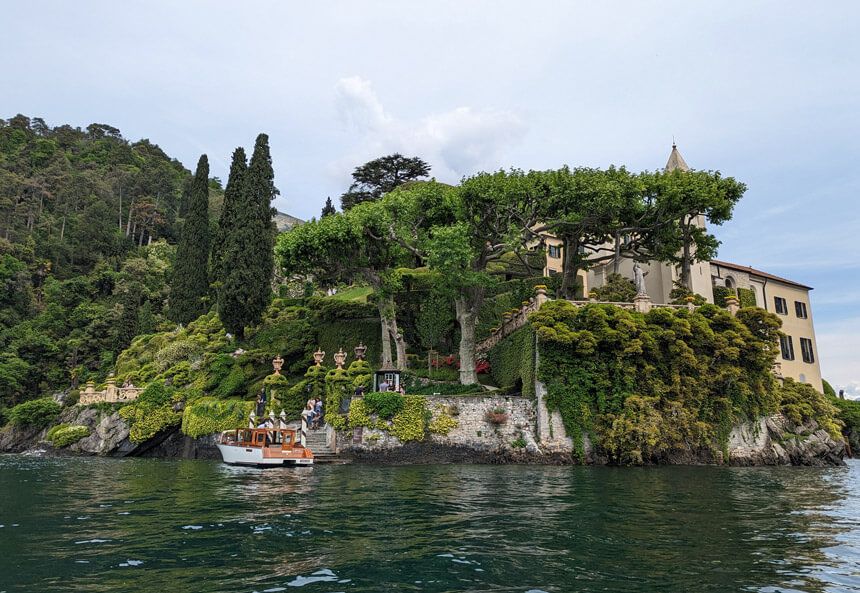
(643, 385)
(209, 415)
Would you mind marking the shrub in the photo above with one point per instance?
(801, 402)
(520, 443)
(55, 430)
(69, 435)
(408, 424)
(174, 353)
(384, 404)
(496, 416)
(37, 413)
(155, 394)
(73, 398)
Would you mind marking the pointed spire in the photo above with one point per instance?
(676, 161)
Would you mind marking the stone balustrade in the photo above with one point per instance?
(512, 322)
(111, 394)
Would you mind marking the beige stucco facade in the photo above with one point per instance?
(798, 355)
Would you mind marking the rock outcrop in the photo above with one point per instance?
(768, 441)
(775, 440)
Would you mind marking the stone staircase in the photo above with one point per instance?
(318, 442)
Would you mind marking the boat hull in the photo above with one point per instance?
(240, 455)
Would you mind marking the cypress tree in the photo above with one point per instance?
(229, 214)
(146, 323)
(128, 324)
(190, 274)
(249, 252)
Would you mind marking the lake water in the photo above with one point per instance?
(144, 525)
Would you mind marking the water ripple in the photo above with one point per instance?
(203, 526)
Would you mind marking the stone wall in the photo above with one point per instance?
(472, 432)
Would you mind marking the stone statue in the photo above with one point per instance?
(639, 278)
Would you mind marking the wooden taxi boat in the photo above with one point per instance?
(263, 447)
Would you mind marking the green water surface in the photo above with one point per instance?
(144, 525)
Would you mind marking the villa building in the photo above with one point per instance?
(789, 300)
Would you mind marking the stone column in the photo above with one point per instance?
(111, 394)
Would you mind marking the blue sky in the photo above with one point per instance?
(766, 92)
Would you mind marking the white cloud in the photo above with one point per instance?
(458, 142)
(839, 350)
(358, 105)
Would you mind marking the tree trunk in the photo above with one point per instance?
(467, 318)
(386, 342)
(616, 263)
(399, 341)
(128, 224)
(120, 208)
(569, 270)
(63, 228)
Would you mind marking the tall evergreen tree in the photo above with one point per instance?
(129, 323)
(328, 208)
(229, 214)
(190, 274)
(249, 255)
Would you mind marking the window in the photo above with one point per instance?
(800, 310)
(555, 251)
(787, 347)
(780, 305)
(806, 350)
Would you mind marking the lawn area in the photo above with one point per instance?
(358, 294)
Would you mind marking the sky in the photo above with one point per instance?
(763, 91)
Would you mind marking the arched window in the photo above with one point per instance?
(730, 282)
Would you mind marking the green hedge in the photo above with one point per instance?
(512, 361)
(720, 294)
(384, 404)
(747, 297)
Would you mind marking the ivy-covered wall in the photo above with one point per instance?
(512, 361)
(642, 386)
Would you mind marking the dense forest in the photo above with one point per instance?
(88, 224)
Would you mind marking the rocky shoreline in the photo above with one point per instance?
(770, 441)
